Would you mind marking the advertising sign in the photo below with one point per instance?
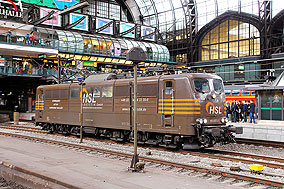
(11, 8)
(148, 33)
(2, 61)
(115, 49)
(100, 22)
(56, 18)
(88, 64)
(83, 25)
(59, 4)
(123, 27)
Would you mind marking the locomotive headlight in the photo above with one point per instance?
(223, 120)
(226, 120)
(205, 121)
(200, 121)
(213, 95)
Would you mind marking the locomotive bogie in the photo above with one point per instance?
(185, 110)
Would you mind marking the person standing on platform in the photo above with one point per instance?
(9, 36)
(240, 111)
(233, 110)
(27, 38)
(245, 111)
(228, 112)
(252, 111)
(32, 38)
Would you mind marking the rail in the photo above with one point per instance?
(179, 165)
(158, 161)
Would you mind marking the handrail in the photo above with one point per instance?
(31, 71)
(27, 41)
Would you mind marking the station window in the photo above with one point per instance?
(107, 91)
(169, 87)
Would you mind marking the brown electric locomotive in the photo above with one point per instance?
(178, 111)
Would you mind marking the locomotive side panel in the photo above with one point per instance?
(52, 104)
(173, 110)
(177, 105)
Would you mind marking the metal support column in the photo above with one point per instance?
(136, 55)
(58, 70)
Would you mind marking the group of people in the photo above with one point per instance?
(239, 111)
(29, 37)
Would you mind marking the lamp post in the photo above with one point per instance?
(81, 83)
(136, 54)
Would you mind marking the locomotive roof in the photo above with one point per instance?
(150, 79)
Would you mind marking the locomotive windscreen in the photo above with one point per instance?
(201, 85)
(218, 85)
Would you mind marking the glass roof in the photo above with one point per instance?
(169, 15)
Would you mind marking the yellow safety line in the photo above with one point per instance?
(187, 113)
(179, 108)
(179, 104)
(166, 112)
(233, 97)
(177, 100)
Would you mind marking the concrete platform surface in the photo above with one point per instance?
(263, 130)
(93, 171)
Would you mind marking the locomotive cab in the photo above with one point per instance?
(211, 125)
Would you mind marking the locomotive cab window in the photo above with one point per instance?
(201, 85)
(218, 85)
(169, 87)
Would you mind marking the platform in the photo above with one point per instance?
(262, 130)
(86, 170)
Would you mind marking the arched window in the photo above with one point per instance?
(231, 39)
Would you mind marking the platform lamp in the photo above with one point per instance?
(136, 55)
(81, 83)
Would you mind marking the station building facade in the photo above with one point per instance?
(242, 42)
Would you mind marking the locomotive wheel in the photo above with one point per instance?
(204, 140)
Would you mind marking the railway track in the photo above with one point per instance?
(207, 154)
(260, 143)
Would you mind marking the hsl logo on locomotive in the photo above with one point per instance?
(212, 109)
(87, 97)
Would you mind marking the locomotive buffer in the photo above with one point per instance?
(136, 55)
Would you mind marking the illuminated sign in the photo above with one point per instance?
(89, 64)
(2, 61)
(100, 22)
(115, 49)
(59, 4)
(124, 27)
(55, 18)
(148, 33)
(9, 8)
(83, 25)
